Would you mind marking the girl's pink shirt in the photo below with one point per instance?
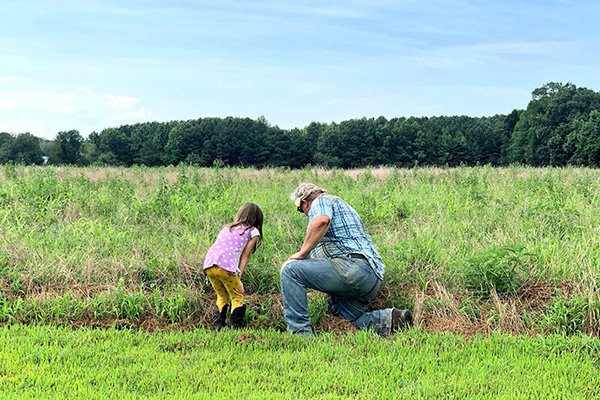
(226, 251)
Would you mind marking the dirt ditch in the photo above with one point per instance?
(436, 310)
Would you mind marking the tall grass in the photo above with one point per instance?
(96, 232)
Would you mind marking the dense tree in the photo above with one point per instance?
(329, 147)
(5, 137)
(114, 147)
(399, 143)
(278, 150)
(90, 153)
(184, 143)
(560, 126)
(66, 148)
(503, 131)
(541, 135)
(231, 139)
(585, 141)
(147, 143)
(22, 149)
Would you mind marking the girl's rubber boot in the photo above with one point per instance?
(219, 317)
(236, 320)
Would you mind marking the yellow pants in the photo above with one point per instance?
(227, 285)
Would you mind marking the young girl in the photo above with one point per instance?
(226, 260)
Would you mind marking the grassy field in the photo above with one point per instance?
(39, 362)
(470, 250)
(102, 293)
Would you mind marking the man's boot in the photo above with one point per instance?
(236, 320)
(401, 319)
(219, 317)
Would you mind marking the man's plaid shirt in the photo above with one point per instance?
(346, 234)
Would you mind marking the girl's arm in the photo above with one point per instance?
(246, 254)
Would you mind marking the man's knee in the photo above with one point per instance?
(287, 269)
(292, 269)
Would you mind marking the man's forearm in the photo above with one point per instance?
(317, 229)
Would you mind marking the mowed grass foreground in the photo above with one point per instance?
(471, 250)
(38, 362)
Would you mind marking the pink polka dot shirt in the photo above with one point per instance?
(228, 248)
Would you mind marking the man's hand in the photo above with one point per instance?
(299, 256)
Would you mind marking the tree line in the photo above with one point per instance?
(560, 126)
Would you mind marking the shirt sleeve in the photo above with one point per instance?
(254, 232)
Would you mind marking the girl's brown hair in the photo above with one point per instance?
(251, 216)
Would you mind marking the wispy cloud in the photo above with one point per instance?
(458, 56)
(142, 113)
(87, 91)
(120, 101)
(283, 59)
(517, 48)
(80, 109)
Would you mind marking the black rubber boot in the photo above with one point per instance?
(220, 317)
(236, 320)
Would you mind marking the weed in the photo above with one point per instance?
(317, 306)
(496, 270)
(176, 308)
(565, 315)
(130, 306)
(265, 312)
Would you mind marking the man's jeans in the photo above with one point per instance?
(350, 284)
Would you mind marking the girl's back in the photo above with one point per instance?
(227, 249)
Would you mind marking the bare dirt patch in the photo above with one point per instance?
(335, 325)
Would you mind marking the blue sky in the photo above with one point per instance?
(90, 65)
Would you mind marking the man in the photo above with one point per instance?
(344, 264)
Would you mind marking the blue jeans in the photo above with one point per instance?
(350, 284)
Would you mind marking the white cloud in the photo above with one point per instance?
(499, 52)
(141, 113)
(87, 91)
(44, 113)
(120, 101)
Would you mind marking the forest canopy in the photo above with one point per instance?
(559, 127)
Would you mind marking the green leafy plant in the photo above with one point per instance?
(497, 269)
(566, 315)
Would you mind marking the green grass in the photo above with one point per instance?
(469, 250)
(39, 362)
(105, 243)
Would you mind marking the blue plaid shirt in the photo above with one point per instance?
(346, 234)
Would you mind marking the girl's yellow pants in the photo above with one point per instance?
(227, 285)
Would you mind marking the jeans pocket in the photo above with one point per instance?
(351, 273)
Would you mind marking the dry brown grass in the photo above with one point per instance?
(436, 310)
